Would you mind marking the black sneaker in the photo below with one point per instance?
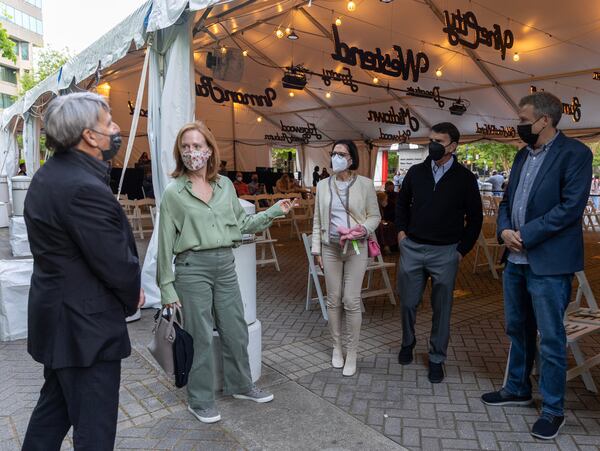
(547, 426)
(405, 356)
(504, 398)
(436, 372)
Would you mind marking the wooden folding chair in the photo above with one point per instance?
(133, 216)
(145, 215)
(302, 216)
(492, 250)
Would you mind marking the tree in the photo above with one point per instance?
(47, 62)
(494, 155)
(7, 46)
(596, 161)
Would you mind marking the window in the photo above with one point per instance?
(20, 18)
(6, 100)
(25, 51)
(8, 74)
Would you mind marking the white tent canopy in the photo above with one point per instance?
(551, 56)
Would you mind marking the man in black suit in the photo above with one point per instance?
(86, 278)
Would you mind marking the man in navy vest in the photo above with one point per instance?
(539, 221)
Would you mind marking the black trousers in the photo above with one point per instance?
(85, 398)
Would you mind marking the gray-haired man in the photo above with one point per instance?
(86, 279)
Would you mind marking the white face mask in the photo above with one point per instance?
(339, 164)
(239, 179)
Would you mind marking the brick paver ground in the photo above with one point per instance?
(395, 401)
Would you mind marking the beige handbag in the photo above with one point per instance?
(163, 337)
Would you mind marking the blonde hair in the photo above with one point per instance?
(212, 170)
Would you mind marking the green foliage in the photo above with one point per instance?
(7, 46)
(497, 156)
(47, 62)
(596, 161)
(279, 157)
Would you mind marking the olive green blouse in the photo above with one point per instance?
(188, 223)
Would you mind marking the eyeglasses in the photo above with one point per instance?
(338, 154)
(194, 147)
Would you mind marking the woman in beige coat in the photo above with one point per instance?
(346, 203)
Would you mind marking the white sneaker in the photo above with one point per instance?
(210, 415)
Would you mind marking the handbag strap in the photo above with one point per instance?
(368, 236)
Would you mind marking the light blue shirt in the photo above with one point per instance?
(529, 172)
(439, 171)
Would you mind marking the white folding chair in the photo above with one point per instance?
(265, 241)
(314, 272)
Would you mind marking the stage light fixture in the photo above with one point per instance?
(293, 36)
(294, 78)
(458, 108)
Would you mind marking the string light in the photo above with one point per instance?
(288, 30)
(338, 21)
(279, 33)
(328, 95)
(439, 73)
(245, 53)
(223, 50)
(516, 57)
(259, 119)
(292, 94)
(351, 6)
(375, 80)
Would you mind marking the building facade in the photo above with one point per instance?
(22, 19)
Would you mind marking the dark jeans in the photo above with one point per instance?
(85, 398)
(535, 303)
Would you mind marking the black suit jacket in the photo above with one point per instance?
(86, 273)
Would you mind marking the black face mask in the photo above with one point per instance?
(436, 150)
(526, 134)
(115, 145)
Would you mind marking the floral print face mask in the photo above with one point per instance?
(195, 159)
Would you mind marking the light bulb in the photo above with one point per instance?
(439, 73)
(338, 21)
(516, 57)
(288, 30)
(375, 80)
(328, 95)
(351, 6)
(223, 50)
(259, 119)
(292, 94)
(279, 33)
(245, 53)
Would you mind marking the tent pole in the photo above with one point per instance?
(134, 120)
(233, 135)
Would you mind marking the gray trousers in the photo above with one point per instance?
(207, 286)
(418, 262)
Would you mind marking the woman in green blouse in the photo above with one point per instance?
(201, 220)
